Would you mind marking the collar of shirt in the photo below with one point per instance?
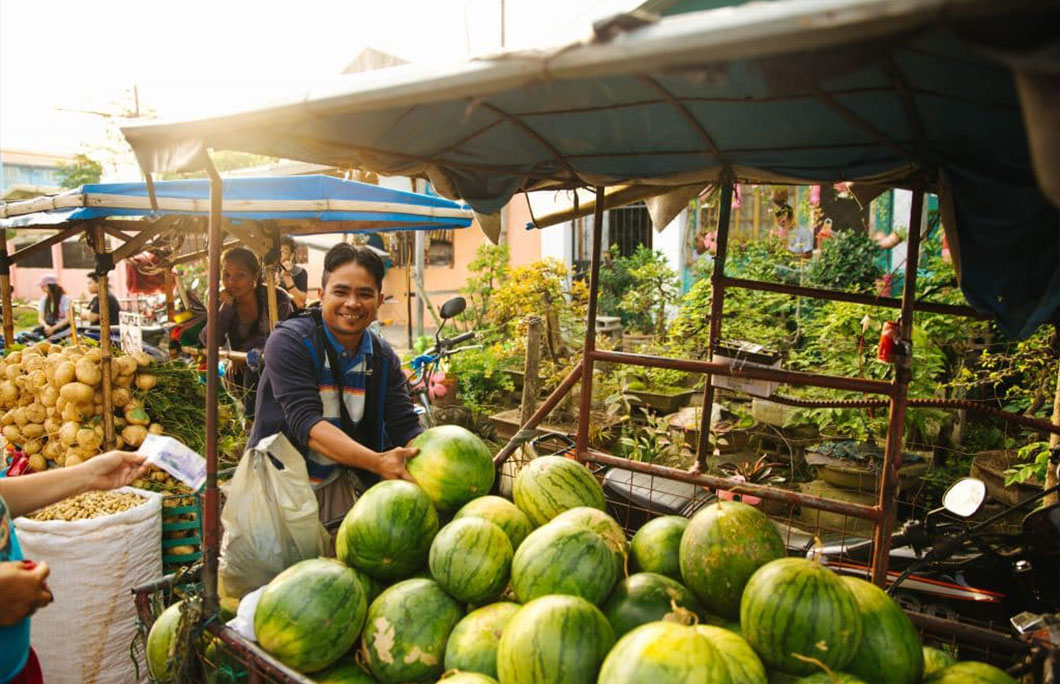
(346, 358)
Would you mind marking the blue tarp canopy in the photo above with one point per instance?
(939, 93)
(358, 206)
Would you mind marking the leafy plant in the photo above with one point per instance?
(654, 286)
(480, 374)
(488, 271)
(1033, 464)
(761, 471)
(847, 262)
(651, 443)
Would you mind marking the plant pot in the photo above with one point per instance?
(663, 402)
(517, 376)
(990, 467)
(634, 342)
(861, 479)
(451, 396)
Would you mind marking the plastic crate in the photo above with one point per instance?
(181, 513)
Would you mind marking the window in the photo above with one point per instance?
(440, 248)
(629, 227)
(42, 259)
(76, 254)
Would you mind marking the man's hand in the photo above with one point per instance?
(225, 298)
(391, 464)
(113, 469)
(22, 590)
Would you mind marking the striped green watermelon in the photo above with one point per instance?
(890, 650)
(554, 639)
(344, 672)
(721, 548)
(467, 678)
(656, 546)
(741, 661)
(797, 607)
(472, 645)
(310, 614)
(160, 643)
(646, 597)
(605, 526)
(549, 485)
(833, 678)
(388, 532)
(406, 631)
(453, 466)
(471, 558)
(563, 558)
(664, 653)
(502, 513)
(969, 672)
(935, 660)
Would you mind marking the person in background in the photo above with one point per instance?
(54, 308)
(292, 277)
(243, 318)
(92, 317)
(23, 583)
(352, 427)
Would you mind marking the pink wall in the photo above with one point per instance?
(524, 245)
(74, 280)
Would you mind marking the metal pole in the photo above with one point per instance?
(419, 247)
(211, 503)
(5, 291)
(717, 295)
(539, 415)
(586, 399)
(892, 455)
(408, 286)
(100, 245)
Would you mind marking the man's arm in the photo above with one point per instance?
(296, 285)
(294, 384)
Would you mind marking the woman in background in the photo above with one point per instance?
(54, 308)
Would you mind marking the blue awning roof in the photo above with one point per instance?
(360, 206)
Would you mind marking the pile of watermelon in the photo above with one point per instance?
(440, 579)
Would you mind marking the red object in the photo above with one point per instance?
(145, 274)
(27, 564)
(19, 466)
(31, 673)
(888, 337)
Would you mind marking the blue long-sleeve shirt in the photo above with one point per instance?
(289, 394)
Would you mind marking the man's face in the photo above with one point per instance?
(93, 286)
(285, 253)
(350, 300)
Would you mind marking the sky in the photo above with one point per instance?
(59, 59)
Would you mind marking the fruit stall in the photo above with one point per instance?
(657, 105)
(67, 400)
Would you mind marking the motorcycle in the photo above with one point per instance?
(423, 368)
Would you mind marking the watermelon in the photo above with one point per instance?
(605, 526)
(969, 672)
(743, 664)
(554, 639)
(935, 660)
(388, 532)
(833, 678)
(646, 597)
(563, 558)
(656, 546)
(471, 558)
(310, 614)
(502, 513)
(794, 606)
(721, 548)
(890, 650)
(664, 653)
(160, 642)
(344, 672)
(468, 678)
(472, 645)
(453, 466)
(549, 485)
(406, 631)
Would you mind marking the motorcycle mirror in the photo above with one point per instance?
(964, 497)
(453, 307)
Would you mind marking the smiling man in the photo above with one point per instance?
(351, 424)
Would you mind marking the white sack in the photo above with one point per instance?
(84, 636)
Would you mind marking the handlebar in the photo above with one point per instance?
(449, 342)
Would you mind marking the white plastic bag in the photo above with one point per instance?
(84, 636)
(270, 517)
